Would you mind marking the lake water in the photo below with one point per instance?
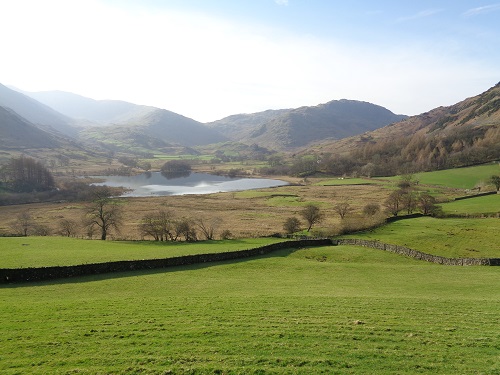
(155, 184)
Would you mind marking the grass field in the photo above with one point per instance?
(17, 252)
(452, 238)
(330, 310)
(342, 310)
(488, 204)
(460, 178)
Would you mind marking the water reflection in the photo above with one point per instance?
(156, 184)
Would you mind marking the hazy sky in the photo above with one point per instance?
(207, 59)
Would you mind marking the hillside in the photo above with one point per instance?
(240, 126)
(295, 128)
(99, 112)
(155, 130)
(37, 113)
(18, 134)
(462, 134)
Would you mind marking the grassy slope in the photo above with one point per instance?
(453, 238)
(488, 204)
(460, 178)
(339, 310)
(19, 252)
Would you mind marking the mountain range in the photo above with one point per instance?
(294, 128)
(60, 120)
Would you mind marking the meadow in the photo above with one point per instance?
(330, 310)
(459, 178)
(482, 205)
(342, 310)
(23, 252)
(451, 237)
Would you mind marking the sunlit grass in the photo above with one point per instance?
(461, 178)
(453, 238)
(342, 310)
(19, 252)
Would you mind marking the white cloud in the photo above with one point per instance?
(482, 10)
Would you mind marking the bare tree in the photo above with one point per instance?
(312, 215)
(394, 202)
(208, 226)
(104, 212)
(343, 208)
(24, 223)
(371, 209)
(67, 227)
(185, 229)
(158, 225)
(291, 225)
(409, 200)
(427, 204)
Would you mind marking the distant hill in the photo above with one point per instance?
(295, 128)
(16, 133)
(100, 112)
(37, 113)
(157, 129)
(462, 134)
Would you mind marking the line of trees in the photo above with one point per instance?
(25, 174)
(405, 199)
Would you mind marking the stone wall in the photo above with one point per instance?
(51, 273)
(475, 195)
(402, 250)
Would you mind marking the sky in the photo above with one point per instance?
(207, 59)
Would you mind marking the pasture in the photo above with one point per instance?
(451, 238)
(22, 252)
(458, 178)
(343, 310)
(482, 205)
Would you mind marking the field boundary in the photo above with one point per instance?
(32, 274)
(16, 275)
(402, 250)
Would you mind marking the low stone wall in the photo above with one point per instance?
(392, 219)
(402, 250)
(12, 275)
(475, 195)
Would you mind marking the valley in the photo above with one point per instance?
(307, 310)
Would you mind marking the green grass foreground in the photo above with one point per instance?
(331, 310)
(451, 238)
(17, 252)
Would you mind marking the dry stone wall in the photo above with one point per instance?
(402, 250)
(51, 273)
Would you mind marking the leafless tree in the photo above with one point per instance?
(312, 215)
(67, 227)
(184, 228)
(158, 225)
(409, 200)
(342, 208)
(427, 204)
(394, 202)
(291, 225)
(104, 212)
(371, 209)
(24, 223)
(208, 226)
